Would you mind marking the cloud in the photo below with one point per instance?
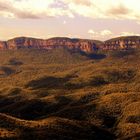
(100, 34)
(7, 9)
(105, 9)
(129, 34)
(106, 32)
(91, 31)
(33, 9)
(4, 6)
(58, 4)
(119, 10)
(79, 2)
(97, 9)
(21, 14)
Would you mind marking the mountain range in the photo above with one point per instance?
(84, 45)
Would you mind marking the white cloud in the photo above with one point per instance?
(100, 34)
(91, 31)
(32, 9)
(110, 9)
(119, 9)
(78, 2)
(129, 34)
(106, 32)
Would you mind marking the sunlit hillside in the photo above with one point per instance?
(69, 95)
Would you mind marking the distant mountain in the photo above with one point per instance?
(125, 42)
(75, 44)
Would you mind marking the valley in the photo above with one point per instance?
(62, 93)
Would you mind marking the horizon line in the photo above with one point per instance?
(68, 38)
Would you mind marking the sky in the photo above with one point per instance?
(89, 19)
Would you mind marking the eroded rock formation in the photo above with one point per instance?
(73, 44)
(122, 43)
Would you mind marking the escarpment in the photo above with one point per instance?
(122, 43)
(84, 45)
(74, 44)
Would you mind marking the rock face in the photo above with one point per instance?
(73, 44)
(122, 43)
(3, 45)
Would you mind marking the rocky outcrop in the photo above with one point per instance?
(122, 43)
(3, 45)
(73, 44)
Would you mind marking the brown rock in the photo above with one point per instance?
(123, 43)
(3, 45)
(73, 44)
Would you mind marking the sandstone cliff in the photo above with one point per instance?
(3, 45)
(73, 44)
(122, 43)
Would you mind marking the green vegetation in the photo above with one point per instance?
(69, 95)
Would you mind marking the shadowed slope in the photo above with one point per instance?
(50, 128)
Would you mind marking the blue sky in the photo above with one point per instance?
(91, 19)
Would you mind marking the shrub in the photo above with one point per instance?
(15, 62)
(98, 81)
(123, 53)
(120, 76)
